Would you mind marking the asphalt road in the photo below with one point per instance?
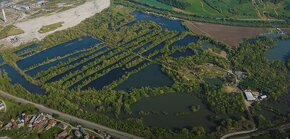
(85, 123)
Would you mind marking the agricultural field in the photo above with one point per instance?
(122, 68)
(229, 35)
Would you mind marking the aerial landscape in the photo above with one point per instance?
(133, 69)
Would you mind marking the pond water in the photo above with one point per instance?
(184, 53)
(281, 51)
(62, 75)
(26, 49)
(155, 48)
(143, 47)
(1, 60)
(172, 25)
(273, 35)
(151, 76)
(51, 64)
(104, 80)
(17, 78)
(58, 51)
(173, 111)
(185, 41)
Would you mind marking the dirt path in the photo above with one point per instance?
(71, 18)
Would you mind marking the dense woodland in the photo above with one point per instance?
(104, 106)
(176, 3)
(268, 77)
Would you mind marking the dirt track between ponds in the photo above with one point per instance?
(71, 18)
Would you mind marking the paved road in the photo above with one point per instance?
(113, 132)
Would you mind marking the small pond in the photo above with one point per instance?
(281, 51)
(17, 78)
(151, 76)
(1, 60)
(173, 111)
(184, 53)
(185, 41)
(58, 51)
(172, 25)
(26, 49)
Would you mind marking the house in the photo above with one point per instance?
(31, 121)
(39, 118)
(107, 136)
(14, 124)
(21, 125)
(42, 2)
(8, 126)
(22, 118)
(82, 130)
(240, 75)
(249, 96)
(262, 97)
(62, 134)
(2, 106)
(26, 118)
(36, 127)
(77, 134)
(62, 125)
(49, 116)
(68, 137)
(50, 124)
(87, 137)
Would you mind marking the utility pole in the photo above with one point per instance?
(4, 15)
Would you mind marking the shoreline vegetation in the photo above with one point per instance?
(130, 49)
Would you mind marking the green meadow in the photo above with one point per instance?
(229, 8)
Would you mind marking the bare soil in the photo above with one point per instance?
(230, 35)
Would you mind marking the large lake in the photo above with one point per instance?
(151, 76)
(173, 111)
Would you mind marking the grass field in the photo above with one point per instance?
(229, 8)
(50, 27)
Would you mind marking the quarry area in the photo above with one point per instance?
(28, 29)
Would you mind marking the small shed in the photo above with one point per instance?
(249, 96)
